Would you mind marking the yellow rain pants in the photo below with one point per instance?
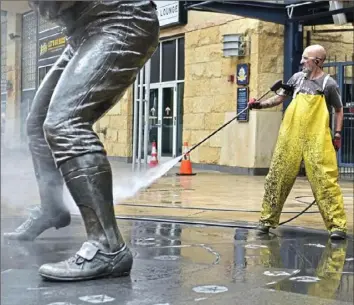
(305, 135)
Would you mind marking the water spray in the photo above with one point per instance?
(132, 187)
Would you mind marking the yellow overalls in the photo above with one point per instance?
(305, 135)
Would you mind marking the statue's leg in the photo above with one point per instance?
(101, 70)
(52, 211)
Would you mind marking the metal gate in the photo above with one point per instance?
(343, 73)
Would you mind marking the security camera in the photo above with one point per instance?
(12, 36)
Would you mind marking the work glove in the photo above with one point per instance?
(254, 104)
(337, 142)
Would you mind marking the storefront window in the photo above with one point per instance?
(155, 67)
(3, 54)
(45, 25)
(29, 47)
(166, 99)
(168, 60)
(180, 60)
(167, 63)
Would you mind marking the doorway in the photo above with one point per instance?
(163, 120)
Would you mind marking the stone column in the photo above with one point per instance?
(270, 62)
(12, 130)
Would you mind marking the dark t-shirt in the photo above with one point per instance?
(331, 90)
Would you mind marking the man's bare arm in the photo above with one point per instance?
(339, 118)
(273, 101)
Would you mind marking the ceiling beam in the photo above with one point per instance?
(265, 12)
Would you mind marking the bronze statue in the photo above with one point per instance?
(108, 42)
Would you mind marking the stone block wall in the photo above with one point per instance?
(210, 100)
(115, 128)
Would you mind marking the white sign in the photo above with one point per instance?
(168, 12)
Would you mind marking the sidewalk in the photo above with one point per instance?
(182, 263)
(221, 197)
(208, 196)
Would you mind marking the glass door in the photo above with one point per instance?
(163, 121)
(154, 121)
(168, 112)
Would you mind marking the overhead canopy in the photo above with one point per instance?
(278, 11)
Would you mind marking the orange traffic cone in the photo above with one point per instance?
(186, 165)
(153, 160)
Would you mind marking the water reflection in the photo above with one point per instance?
(318, 268)
(165, 238)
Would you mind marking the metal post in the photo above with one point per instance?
(147, 106)
(135, 123)
(140, 132)
(293, 47)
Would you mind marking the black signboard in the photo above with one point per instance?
(242, 101)
(51, 46)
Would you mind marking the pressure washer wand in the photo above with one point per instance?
(276, 86)
(221, 127)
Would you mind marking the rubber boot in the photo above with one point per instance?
(52, 213)
(89, 180)
(262, 229)
(338, 235)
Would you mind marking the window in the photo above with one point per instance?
(45, 25)
(180, 60)
(168, 60)
(42, 72)
(155, 66)
(29, 49)
(3, 52)
(167, 63)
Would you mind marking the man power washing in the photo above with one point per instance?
(305, 135)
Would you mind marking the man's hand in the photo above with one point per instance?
(254, 104)
(337, 141)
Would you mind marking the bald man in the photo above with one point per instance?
(305, 135)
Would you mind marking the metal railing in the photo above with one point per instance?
(343, 73)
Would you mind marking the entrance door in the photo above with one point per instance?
(163, 120)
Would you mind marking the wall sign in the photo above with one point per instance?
(242, 74)
(51, 46)
(242, 101)
(171, 13)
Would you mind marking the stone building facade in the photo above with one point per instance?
(206, 97)
(209, 98)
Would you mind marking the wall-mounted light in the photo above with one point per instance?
(9, 86)
(235, 45)
(12, 36)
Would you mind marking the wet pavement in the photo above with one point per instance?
(186, 264)
(181, 232)
(209, 196)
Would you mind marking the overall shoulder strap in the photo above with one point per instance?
(296, 91)
(325, 81)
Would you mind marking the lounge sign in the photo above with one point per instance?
(171, 13)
